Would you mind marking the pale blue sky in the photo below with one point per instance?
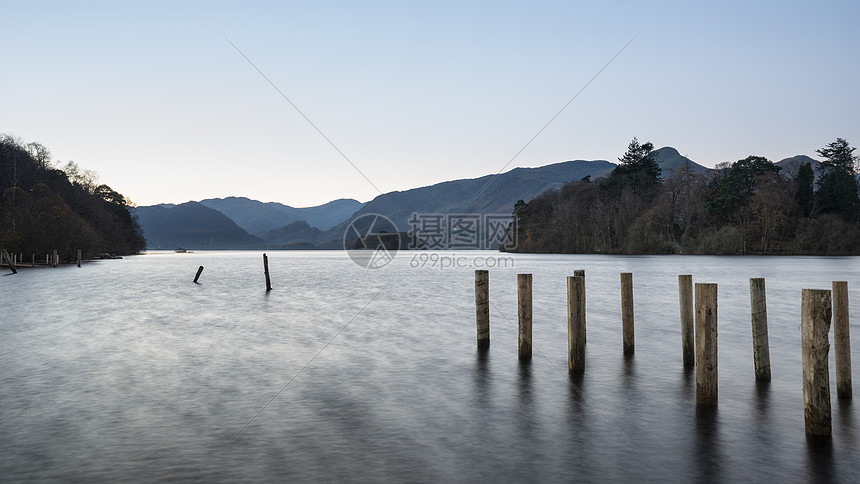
(152, 97)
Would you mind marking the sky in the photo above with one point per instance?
(154, 97)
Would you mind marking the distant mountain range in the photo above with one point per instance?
(242, 223)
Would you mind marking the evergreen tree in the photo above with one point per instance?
(638, 170)
(837, 184)
(805, 192)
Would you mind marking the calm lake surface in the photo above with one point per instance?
(125, 370)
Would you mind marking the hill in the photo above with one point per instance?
(259, 218)
(44, 207)
(192, 225)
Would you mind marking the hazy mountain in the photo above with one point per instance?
(259, 218)
(278, 225)
(298, 231)
(791, 165)
(490, 194)
(670, 161)
(192, 225)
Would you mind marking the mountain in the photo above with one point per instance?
(490, 194)
(281, 226)
(791, 165)
(670, 161)
(298, 231)
(259, 218)
(192, 225)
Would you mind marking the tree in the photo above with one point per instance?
(733, 186)
(805, 192)
(837, 185)
(638, 170)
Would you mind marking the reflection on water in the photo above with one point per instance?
(125, 370)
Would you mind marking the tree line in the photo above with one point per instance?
(45, 207)
(750, 206)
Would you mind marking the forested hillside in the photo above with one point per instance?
(751, 206)
(45, 207)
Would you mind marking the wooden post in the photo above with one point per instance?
(758, 312)
(815, 313)
(482, 307)
(685, 294)
(4, 254)
(842, 339)
(199, 271)
(14, 260)
(79, 257)
(706, 344)
(581, 273)
(56, 259)
(266, 270)
(575, 324)
(627, 311)
(524, 312)
(33, 261)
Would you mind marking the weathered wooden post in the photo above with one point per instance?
(14, 260)
(575, 324)
(266, 270)
(199, 271)
(706, 344)
(685, 294)
(56, 259)
(482, 307)
(815, 312)
(581, 273)
(33, 260)
(4, 254)
(758, 314)
(842, 339)
(627, 311)
(79, 257)
(524, 312)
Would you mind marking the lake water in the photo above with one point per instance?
(125, 370)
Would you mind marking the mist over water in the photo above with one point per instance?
(127, 371)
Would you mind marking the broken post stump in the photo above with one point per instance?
(482, 307)
(575, 324)
(758, 315)
(815, 310)
(841, 339)
(266, 270)
(706, 344)
(627, 311)
(524, 313)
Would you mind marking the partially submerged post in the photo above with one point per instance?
(758, 314)
(575, 324)
(524, 313)
(627, 311)
(706, 344)
(581, 273)
(482, 307)
(685, 294)
(56, 259)
(4, 254)
(199, 271)
(842, 339)
(79, 257)
(266, 270)
(815, 313)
